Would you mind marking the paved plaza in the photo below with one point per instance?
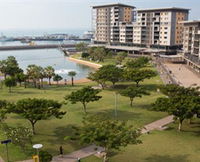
(183, 74)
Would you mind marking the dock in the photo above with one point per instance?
(29, 47)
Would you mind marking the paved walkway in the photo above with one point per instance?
(1, 160)
(184, 75)
(82, 153)
(158, 125)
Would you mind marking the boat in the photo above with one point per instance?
(25, 41)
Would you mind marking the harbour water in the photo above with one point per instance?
(48, 57)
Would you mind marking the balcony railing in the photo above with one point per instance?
(193, 58)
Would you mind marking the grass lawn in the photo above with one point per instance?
(158, 146)
(162, 146)
(51, 132)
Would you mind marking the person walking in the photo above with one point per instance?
(61, 151)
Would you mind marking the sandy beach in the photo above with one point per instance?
(84, 80)
(87, 63)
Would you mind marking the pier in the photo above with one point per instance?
(29, 47)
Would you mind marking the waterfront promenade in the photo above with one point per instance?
(183, 74)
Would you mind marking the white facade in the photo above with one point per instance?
(159, 26)
(107, 19)
(191, 40)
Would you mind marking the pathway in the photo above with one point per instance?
(82, 153)
(1, 160)
(158, 125)
(184, 75)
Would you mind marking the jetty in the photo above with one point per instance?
(27, 47)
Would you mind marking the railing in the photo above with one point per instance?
(163, 69)
(192, 58)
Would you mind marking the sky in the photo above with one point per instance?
(71, 14)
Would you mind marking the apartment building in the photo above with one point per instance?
(110, 20)
(191, 43)
(160, 27)
(126, 33)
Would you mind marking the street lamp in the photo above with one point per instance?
(37, 147)
(116, 99)
(6, 143)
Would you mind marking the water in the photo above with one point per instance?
(48, 57)
(18, 43)
(39, 32)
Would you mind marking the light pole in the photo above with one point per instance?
(37, 147)
(116, 102)
(6, 143)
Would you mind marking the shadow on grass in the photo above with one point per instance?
(193, 128)
(61, 133)
(167, 158)
(22, 92)
(121, 115)
(144, 106)
(149, 87)
(65, 87)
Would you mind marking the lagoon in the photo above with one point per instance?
(48, 57)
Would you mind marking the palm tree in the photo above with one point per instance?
(50, 72)
(35, 73)
(32, 74)
(72, 74)
(57, 78)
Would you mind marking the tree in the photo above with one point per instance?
(85, 55)
(97, 53)
(112, 73)
(3, 66)
(100, 54)
(172, 90)
(72, 74)
(81, 47)
(57, 78)
(106, 73)
(138, 75)
(10, 66)
(10, 82)
(137, 63)
(181, 107)
(44, 156)
(3, 110)
(109, 134)
(35, 73)
(181, 102)
(133, 92)
(84, 95)
(98, 77)
(50, 72)
(37, 109)
(21, 77)
(20, 136)
(42, 74)
(120, 57)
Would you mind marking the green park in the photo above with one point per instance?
(109, 111)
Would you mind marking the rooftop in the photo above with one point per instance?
(164, 9)
(113, 5)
